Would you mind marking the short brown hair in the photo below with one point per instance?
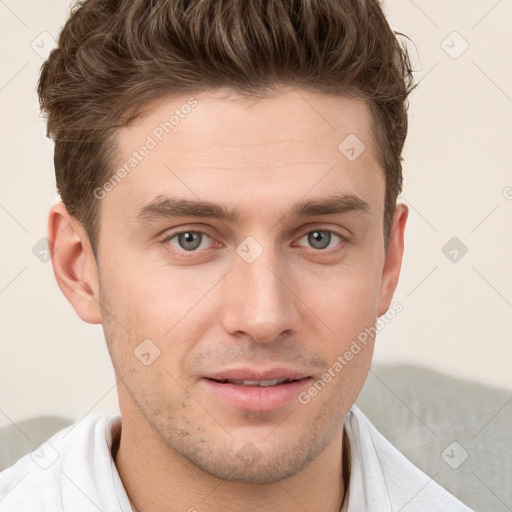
(115, 57)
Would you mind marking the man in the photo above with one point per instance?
(229, 174)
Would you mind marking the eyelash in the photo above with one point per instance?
(189, 254)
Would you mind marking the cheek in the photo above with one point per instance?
(349, 309)
(141, 295)
(150, 315)
(347, 304)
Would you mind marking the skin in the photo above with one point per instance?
(296, 305)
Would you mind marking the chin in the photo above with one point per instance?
(269, 472)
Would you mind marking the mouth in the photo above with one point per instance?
(256, 391)
(256, 383)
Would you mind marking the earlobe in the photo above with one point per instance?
(393, 260)
(73, 263)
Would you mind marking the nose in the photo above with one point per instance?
(259, 300)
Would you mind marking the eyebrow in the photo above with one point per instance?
(163, 207)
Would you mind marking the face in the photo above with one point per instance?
(222, 318)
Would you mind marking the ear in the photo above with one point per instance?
(73, 263)
(393, 261)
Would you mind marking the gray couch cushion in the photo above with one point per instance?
(459, 433)
(24, 436)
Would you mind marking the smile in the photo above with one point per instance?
(255, 394)
(262, 383)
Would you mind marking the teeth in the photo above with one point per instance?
(262, 383)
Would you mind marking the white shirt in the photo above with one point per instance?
(74, 472)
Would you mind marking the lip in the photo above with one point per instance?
(253, 374)
(256, 398)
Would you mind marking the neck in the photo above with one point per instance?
(155, 476)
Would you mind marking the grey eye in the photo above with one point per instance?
(319, 239)
(189, 240)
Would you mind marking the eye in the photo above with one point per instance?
(188, 241)
(321, 238)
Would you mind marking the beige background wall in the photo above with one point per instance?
(456, 316)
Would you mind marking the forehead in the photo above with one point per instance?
(222, 118)
(215, 145)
